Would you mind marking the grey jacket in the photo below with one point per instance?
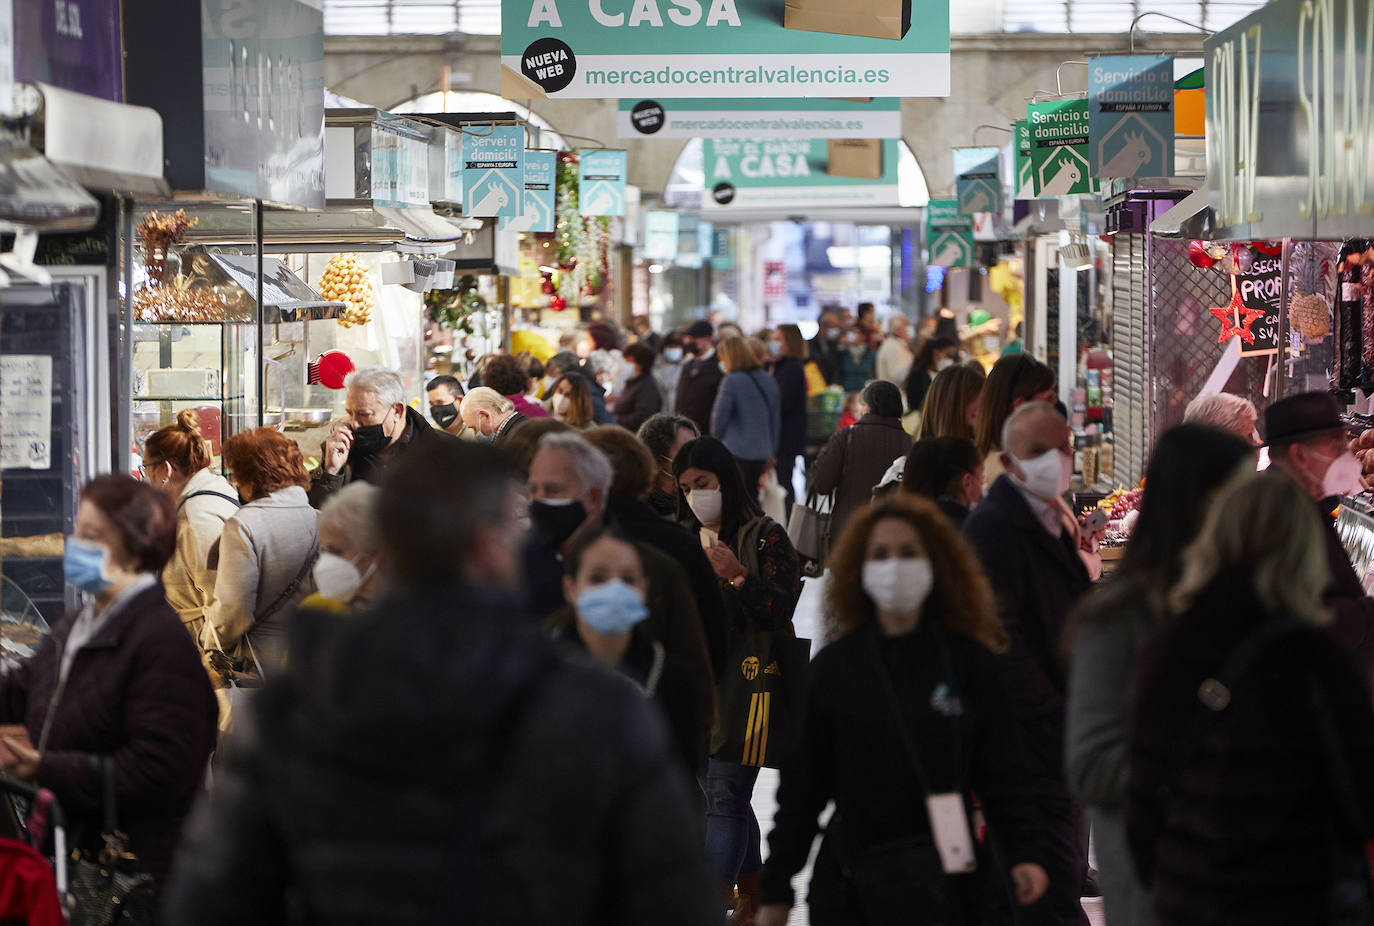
(747, 416)
(1112, 627)
(263, 549)
(188, 577)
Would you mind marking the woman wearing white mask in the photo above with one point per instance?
(668, 368)
(936, 353)
(346, 574)
(606, 617)
(907, 719)
(760, 578)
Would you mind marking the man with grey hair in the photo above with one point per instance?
(377, 426)
(1225, 412)
(1027, 539)
(490, 414)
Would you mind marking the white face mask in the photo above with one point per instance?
(898, 586)
(1342, 476)
(1048, 475)
(705, 504)
(560, 404)
(338, 579)
(944, 363)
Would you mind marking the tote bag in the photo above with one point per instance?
(762, 697)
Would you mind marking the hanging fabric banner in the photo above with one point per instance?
(1059, 147)
(537, 210)
(1025, 185)
(1131, 115)
(493, 170)
(978, 179)
(949, 234)
(601, 182)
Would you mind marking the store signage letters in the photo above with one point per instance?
(493, 170)
(1025, 183)
(72, 44)
(723, 49)
(949, 234)
(760, 118)
(793, 173)
(1338, 144)
(1237, 119)
(1059, 148)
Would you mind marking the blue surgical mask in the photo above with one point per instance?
(775, 348)
(83, 563)
(611, 608)
(672, 354)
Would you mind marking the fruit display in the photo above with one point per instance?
(346, 280)
(1122, 508)
(1309, 312)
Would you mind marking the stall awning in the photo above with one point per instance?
(104, 146)
(1191, 217)
(36, 194)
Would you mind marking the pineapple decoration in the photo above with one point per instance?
(1308, 311)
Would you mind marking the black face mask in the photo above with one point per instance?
(555, 521)
(370, 440)
(443, 415)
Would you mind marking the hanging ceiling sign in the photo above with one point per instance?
(601, 182)
(1059, 147)
(1131, 115)
(493, 170)
(1290, 126)
(761, 118)
(978, 179)
(658, 49)
(799, 173)
(949, 234)
(660, 235)
(537, 209)
(1025, 184)
(72, 44)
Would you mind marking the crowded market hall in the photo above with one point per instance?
(676, 462)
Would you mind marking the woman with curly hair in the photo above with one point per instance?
(906, 720)
(267, 549)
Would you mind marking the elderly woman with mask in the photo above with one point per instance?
(346, 573)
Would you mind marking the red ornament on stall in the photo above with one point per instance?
(558, 303)
(330, 370)
(547, 287)
(1268, 248)
(1197, 253)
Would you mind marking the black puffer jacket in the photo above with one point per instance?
(436, 762)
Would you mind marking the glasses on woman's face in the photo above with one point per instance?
(146, 470)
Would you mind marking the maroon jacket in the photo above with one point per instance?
(136, 693)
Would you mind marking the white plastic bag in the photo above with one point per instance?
(774, 497)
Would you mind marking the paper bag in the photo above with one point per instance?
(879, 19)
(855, 157)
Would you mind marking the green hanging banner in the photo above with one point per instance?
(949, 234)
(978, 179)
(1025, 187)
(1059, 147)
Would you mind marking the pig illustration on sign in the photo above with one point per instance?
(1127, 162)
(1063, 181)
(492, 203)
(978, 202)
(950, 255)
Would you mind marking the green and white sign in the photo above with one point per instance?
(744, 174)
(1131, 115)
(760, 118)
(1025, 187)
(493, 170)
(724, 49)
(949, 234)
(660, 235)
(1059, 147)
(978, 179)
(601, 182)
(537, 209)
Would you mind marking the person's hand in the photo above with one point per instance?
(772, 914)
(1031, 882)
(18, 758)
(337, 447)
(723, 561)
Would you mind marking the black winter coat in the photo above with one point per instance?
(137, 694)
(1037, 580)
(851, 753)
(1248, 833)
(637, 401)
(418, 433)
(432, 762)
(696, 390)
(828, 356)
(792, 385)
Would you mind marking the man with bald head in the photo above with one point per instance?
(1027, 539)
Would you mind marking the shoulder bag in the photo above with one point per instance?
(809, 527)
(233, 501)
(107, 887)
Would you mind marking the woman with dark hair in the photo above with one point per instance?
(607, 594)
(640, 397)
(571, 401)
(267, 550)
(1188, 465)
(788, 350)
(936, 353)
(605, 361)
(665, 435)
(1014, 380)
(760, 579)
(951, 406)
(117, 688)
(905, 713)
(176, 459)
(855, 458)
(948, 471)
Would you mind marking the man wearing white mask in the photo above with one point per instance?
(1306, 440)
(1028, 543)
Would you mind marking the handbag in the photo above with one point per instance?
(809, 527)
(762, 697)
(107, 887)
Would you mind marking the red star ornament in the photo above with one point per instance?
(1237, 309)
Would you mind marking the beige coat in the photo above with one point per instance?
(188, 576)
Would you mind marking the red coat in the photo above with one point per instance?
(138, 693)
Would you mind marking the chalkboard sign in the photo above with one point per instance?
(1259, 289)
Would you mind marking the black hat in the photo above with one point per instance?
(700, 329)
(1298, 417)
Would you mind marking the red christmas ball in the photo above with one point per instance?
(1269, 248)
(1197, 253)
(558, 303)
